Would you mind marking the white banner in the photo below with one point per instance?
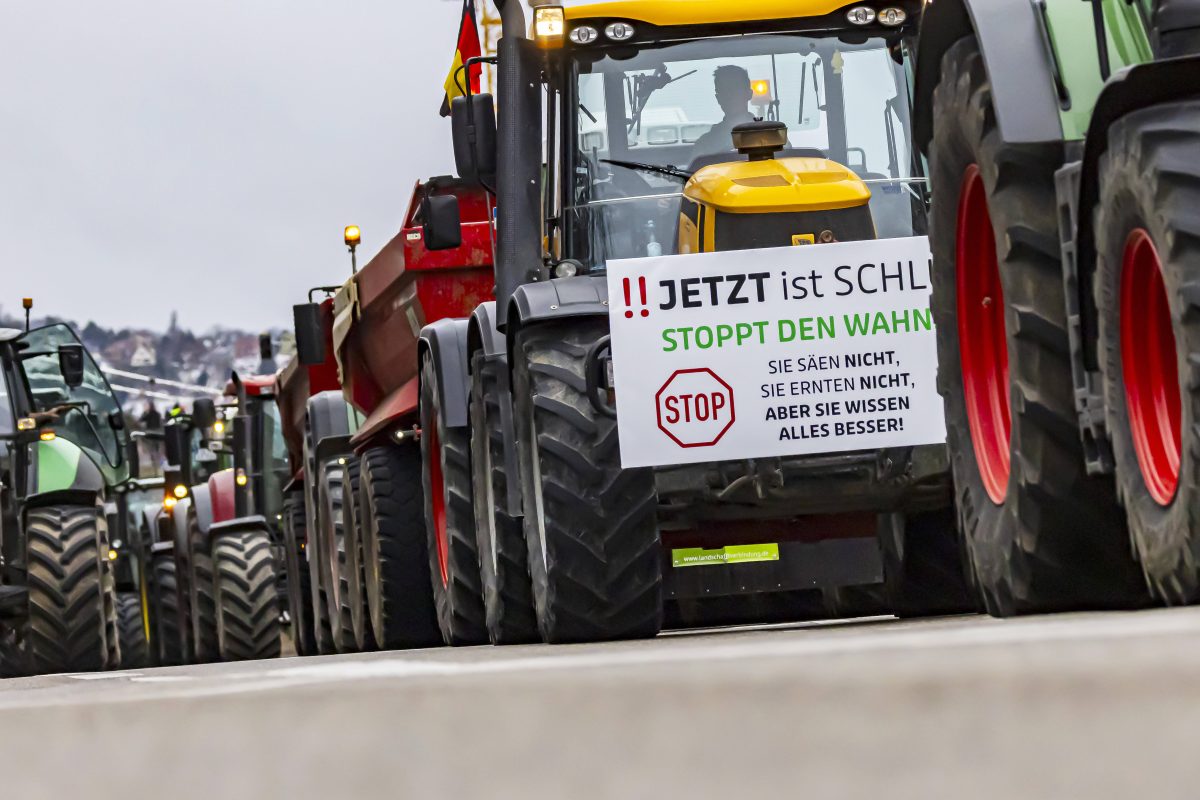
(759, 353)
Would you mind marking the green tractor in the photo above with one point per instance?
(1063, 139)
(62, 460)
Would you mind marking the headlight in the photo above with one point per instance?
(584, 34)
(861, 15)
(549, 24)
(619, 31)
(180, 491)
(892, 17)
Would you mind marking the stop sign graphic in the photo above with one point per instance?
(695, 407)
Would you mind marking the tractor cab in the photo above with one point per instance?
(732, 137)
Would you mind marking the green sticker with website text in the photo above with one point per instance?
(733, 554)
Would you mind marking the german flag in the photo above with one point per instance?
(468, 48)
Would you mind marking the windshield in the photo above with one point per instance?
(83, 412)
(642, 125)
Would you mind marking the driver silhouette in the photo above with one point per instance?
(733, 92)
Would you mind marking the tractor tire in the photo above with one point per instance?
(170, 619)
(322, 629)
(1147, 290)
(112, 623)
(331, 497)
(298, 580)
(65, 554)
(591, 527)
(354, 593)
(503, 556)
(924, 574)
(246, 601)
(395, 549)
(200, 589)
(131, 627)
(450, 520)
(1041, 535)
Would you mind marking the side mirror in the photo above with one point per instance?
(204, 413)
(473, 122)
(116, 419)
(310, 334)
(265, 350)
(442, 226)
(70, 364)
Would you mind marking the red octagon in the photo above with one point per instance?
(695, 407)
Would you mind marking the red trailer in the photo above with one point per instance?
(378, 569)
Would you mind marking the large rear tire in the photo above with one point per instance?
(395, 549)
(299, 589)
(1147, 265)
(450, 520)
(503, 556)
(200, 587)
(131, 627)
(1041, 534)
(331, 496)
(170, 620)
(354, 589)
(590, 526)
(247, 604)
(65, 550)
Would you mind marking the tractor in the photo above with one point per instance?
(62, 461)
(625, 130)
(1063, 141)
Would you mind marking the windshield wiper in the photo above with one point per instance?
(669, 171)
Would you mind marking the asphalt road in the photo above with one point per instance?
(1083, 706)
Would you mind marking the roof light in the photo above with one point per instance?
(584, 34)
(352, 236)
(619, 31)
(549, 26)
(762, 89)
(861, 15)
(892, 17)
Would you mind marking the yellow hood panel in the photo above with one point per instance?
(777, 186)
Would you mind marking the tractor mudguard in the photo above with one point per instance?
(60, 471)
(179, 526)
(328, 415)
(483, 332)
(485, 336)
(583, 296)
(445, 341)
(222, 491)
(239, 525)
(202, 506)
(1012, 39)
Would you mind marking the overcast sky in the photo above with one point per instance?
(204, 156)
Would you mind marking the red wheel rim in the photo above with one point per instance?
(437, 490)
(1152, 395)
(983, 345)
